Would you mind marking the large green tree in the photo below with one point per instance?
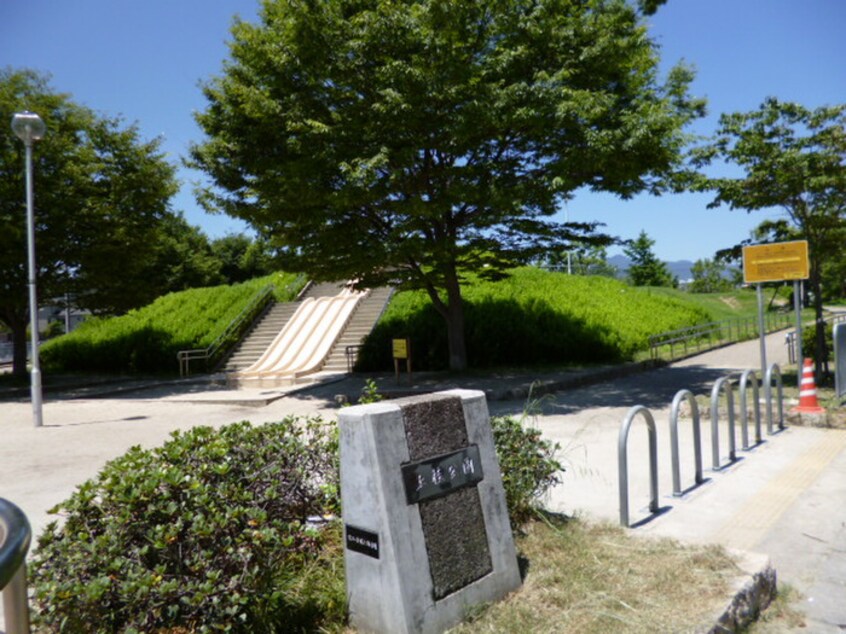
(408, 142)
(791, 158)
(100, 192)
(709, 276)
(242, 257)
(646, 269)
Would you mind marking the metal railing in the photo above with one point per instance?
(351, 354)
(680, 396)
(744, 381)
(790, 339)
(623, 461)
(723, 384)
(15, 535)
(702, 337)
(230, 334)
(768, 394)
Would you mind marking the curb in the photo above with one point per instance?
(753, 591)
(539, 388)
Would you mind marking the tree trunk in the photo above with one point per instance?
(453, 313)
(455, 327)
(17, 322)
(820, 354)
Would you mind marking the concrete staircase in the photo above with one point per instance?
(361, 323)
(256, 341)
(266, 328)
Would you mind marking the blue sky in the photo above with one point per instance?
(145, 60)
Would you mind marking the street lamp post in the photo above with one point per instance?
(29, 127)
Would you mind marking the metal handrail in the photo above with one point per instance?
(15, 536)
(725, 330)
(790, 338)
(256, 304)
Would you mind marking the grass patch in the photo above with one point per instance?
(533, 317)
(590, 578)
(781, 615)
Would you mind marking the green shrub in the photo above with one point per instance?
(528, 465)
(207, 532)
(809, 342)
(148, 339)
(531, 317)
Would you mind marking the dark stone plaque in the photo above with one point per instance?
(362, 541)
(456, 541)
(453, 525)
(442, 475)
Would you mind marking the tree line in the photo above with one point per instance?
(412, 143)
(106, 235)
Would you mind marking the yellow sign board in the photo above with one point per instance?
(776, 262)
(400, 348)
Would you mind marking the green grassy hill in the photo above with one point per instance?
(147, 339)
(536, 317)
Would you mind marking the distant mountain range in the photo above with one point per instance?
(679, 268)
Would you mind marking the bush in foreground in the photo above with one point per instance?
(207, 532)
(528, 465)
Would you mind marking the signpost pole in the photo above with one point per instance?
(774, 263)
(797, 305)
(763, 334)
(762, 330)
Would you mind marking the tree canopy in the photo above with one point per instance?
(410, 142)
(100, 192)
(709, 276)
(792, 158)
(646, 269)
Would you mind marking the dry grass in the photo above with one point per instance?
(782, 615)
(595, 578)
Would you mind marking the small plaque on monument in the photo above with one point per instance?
(421, 474)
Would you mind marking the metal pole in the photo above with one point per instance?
(797, 306)
(15, 604)
(33, 300)
(762, 330)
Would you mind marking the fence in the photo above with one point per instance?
(235, 328)
(791, 336)
(682, 342)
(722, 385)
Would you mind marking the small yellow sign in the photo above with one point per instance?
(776, 262)
(400, 348)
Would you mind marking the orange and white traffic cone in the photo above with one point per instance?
(808, 392)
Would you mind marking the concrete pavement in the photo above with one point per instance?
(786, 497)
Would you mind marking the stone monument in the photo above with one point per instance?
(426, 528)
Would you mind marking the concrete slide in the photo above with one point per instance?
(303, 344)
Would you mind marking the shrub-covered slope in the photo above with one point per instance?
(532, 317)
(147, 339)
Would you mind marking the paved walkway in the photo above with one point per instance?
(786, 497)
